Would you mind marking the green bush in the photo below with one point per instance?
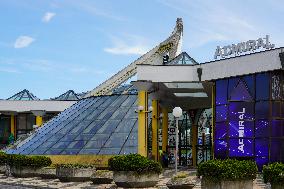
(28, 161)
(273, 173)
(229, 169)
(134, 162)
(3, 158)
(75, 165)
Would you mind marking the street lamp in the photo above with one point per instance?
(177, 112)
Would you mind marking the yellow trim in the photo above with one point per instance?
(213, 119)
(12, 125)
(39, 120)
(98, 160)
(155, 122)
(142, 123)
(165, 123)
(194, 143)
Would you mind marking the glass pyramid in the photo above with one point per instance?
(94, 125)
(240, 92)
(69, 95)
(183, 58)
(23, 95)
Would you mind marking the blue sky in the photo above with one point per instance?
(49, 47)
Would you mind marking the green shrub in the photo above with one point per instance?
(134, 162)
(3, 158)
(273, 173)
(75, 165)
(229, 169)
(28, 161)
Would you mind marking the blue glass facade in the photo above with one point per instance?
(249, 117)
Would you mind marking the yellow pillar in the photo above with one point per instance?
(165, 125)
(142, 123)
(194, 143)
(12, 125)
(155, 122)
(213, 120)
(39, 120)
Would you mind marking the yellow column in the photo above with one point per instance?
(155, 122)
(194, 143)
(213, 120)
(13, 129)
(39, 120)
(165, 125)
(142, 123)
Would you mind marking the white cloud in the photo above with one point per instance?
(23, 41)
(48, 16)
(131, 45)
(9, 70)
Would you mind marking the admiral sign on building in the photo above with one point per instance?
(250, 45)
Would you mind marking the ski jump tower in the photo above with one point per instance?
(171, 47)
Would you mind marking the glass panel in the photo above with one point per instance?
(249, 80)
(132, 140)
(77, 144)
(61, 145)
(125, 126)
(276, 128)
(94, 115)
(110, 151)
(108, 127)
(68, 137)
(262, 86)
(118, 101)
(260, 161)
(131, 114)
(107, 113)
(220, 130)
(94, 127)
(261, 128)
(221, 91)
(241, 92)
(232, 84)
(241, 111)
(241, 147)
(262, 110)
(261, 147)
(85, 137)
(129, 101)
(275, 152)
(97, 141)
(80, 127)
(276, 109)
(241, 129)
(221, 113)
(116, 140)
(119, 113)
(220, 149)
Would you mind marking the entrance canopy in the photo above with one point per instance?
(190, 85)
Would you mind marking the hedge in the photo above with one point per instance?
(273, 173)
(28, 161)
(134, 162)
(3, 158)
(229, 169)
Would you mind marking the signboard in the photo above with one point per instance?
(250, 45)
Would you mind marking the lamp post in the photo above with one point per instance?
(177, 112)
